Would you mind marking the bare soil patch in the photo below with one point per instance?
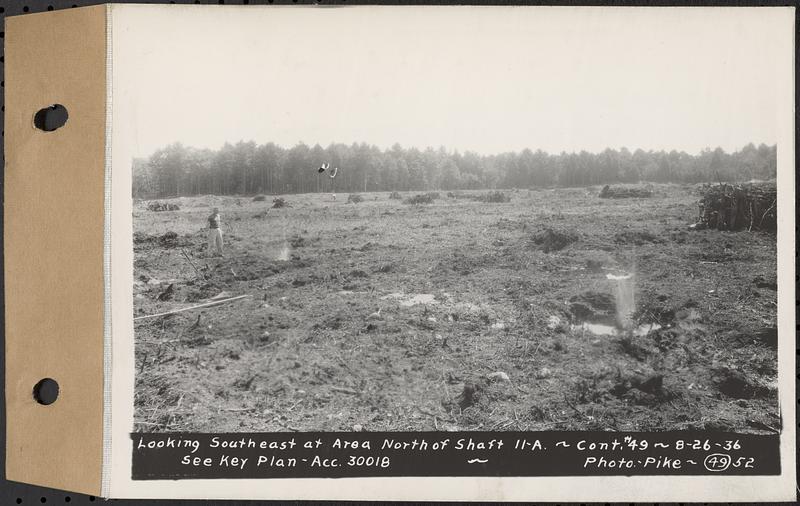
(455, 315)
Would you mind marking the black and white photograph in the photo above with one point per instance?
(415, 220)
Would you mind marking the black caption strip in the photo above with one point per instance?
(347, 454)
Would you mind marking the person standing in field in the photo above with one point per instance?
(214, 233)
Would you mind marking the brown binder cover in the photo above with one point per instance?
(54, 196)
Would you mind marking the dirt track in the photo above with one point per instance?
(456, 315)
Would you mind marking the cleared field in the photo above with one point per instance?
(454, 315)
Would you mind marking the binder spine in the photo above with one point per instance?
(105, 481)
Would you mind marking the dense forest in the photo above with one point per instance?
(247, 168)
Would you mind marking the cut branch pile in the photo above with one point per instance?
(739, 207)
(624, 192)
(162, 206)
(495, 197)
(168, 240)
(280, 202)
(422, 198)
(491, 196)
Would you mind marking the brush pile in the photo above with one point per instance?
(167, 240)
(494, 197)
(354, 198)
(491, 197)
(739, 207)
(624, 192)
(279, 202)
(423, 198)
(162, 206)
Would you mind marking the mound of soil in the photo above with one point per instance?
(657, 308)
(636, 347)
(594, 265)
(551, 239)
(246, 267)
(767, 336)
(770, 284)
(460, 263)
(334, 322)
(469, 396)
(642, 389)
(141, 238)
(259, 198)
(737, 384)
(637, 237)
(592, 306)
(202, 293)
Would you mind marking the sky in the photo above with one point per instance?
(484, 79)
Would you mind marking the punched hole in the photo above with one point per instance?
(51, 118)
(46, 391)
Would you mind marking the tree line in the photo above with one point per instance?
(247, 168)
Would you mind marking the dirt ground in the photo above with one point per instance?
(454, 315)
